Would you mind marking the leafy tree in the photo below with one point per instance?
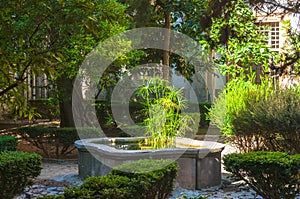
(22, 50)
(184, 16)
(233, 33)
(51, 37)
(78, 27)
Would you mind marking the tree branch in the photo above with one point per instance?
(18, 81)
(292, 7)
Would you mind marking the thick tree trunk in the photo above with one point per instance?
(65, 88)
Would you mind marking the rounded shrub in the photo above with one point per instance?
(273, 175)
(142, 179)
(159, 174)
(110, 186)
(16, 172)
(8, 143)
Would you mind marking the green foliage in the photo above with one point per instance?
(106, 120)
(273, 175)
(164, 106)
(289, 57)
(275, 117)
(233, 99)
(204, 108)
(45, 108)
(142, 179)
(110, 186)
(16, 172)
(159, 174)
(234, 34)
(52, 38)
(256, 117)
(22, 51)
(55, 142)
(8, 143)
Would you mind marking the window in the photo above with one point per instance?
(272, 31)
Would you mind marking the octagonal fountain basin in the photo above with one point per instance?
(199, 161)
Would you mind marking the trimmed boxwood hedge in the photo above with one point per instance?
(273, 175)
(8, 143)
(143, 179)
(110, 186)
(160, 174)
(16, 172)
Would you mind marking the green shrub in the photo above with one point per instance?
(256, 117)
(8, 143)
(104, 112)
(276, 118)
(273, 175)
(16, 172)
(110, 186)
(45, 108)
(160, 174)
(56, 142)
(143, 179)
(52, 141)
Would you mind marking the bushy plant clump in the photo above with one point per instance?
(54, 142)
(143, 179)
(257, 117)
(273, 175)
(164, 109)
(8, 143)
(276, 119)
(16, 172)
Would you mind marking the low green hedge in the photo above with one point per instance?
(16, 172)
(110, 186)
(273, 175)
(143, 179)
(159, 174)
(8, 143)
(55, 142)
(52, 141)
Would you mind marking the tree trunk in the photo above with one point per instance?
(166, 53)
(65, 88)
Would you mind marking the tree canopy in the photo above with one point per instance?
(53, 37)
